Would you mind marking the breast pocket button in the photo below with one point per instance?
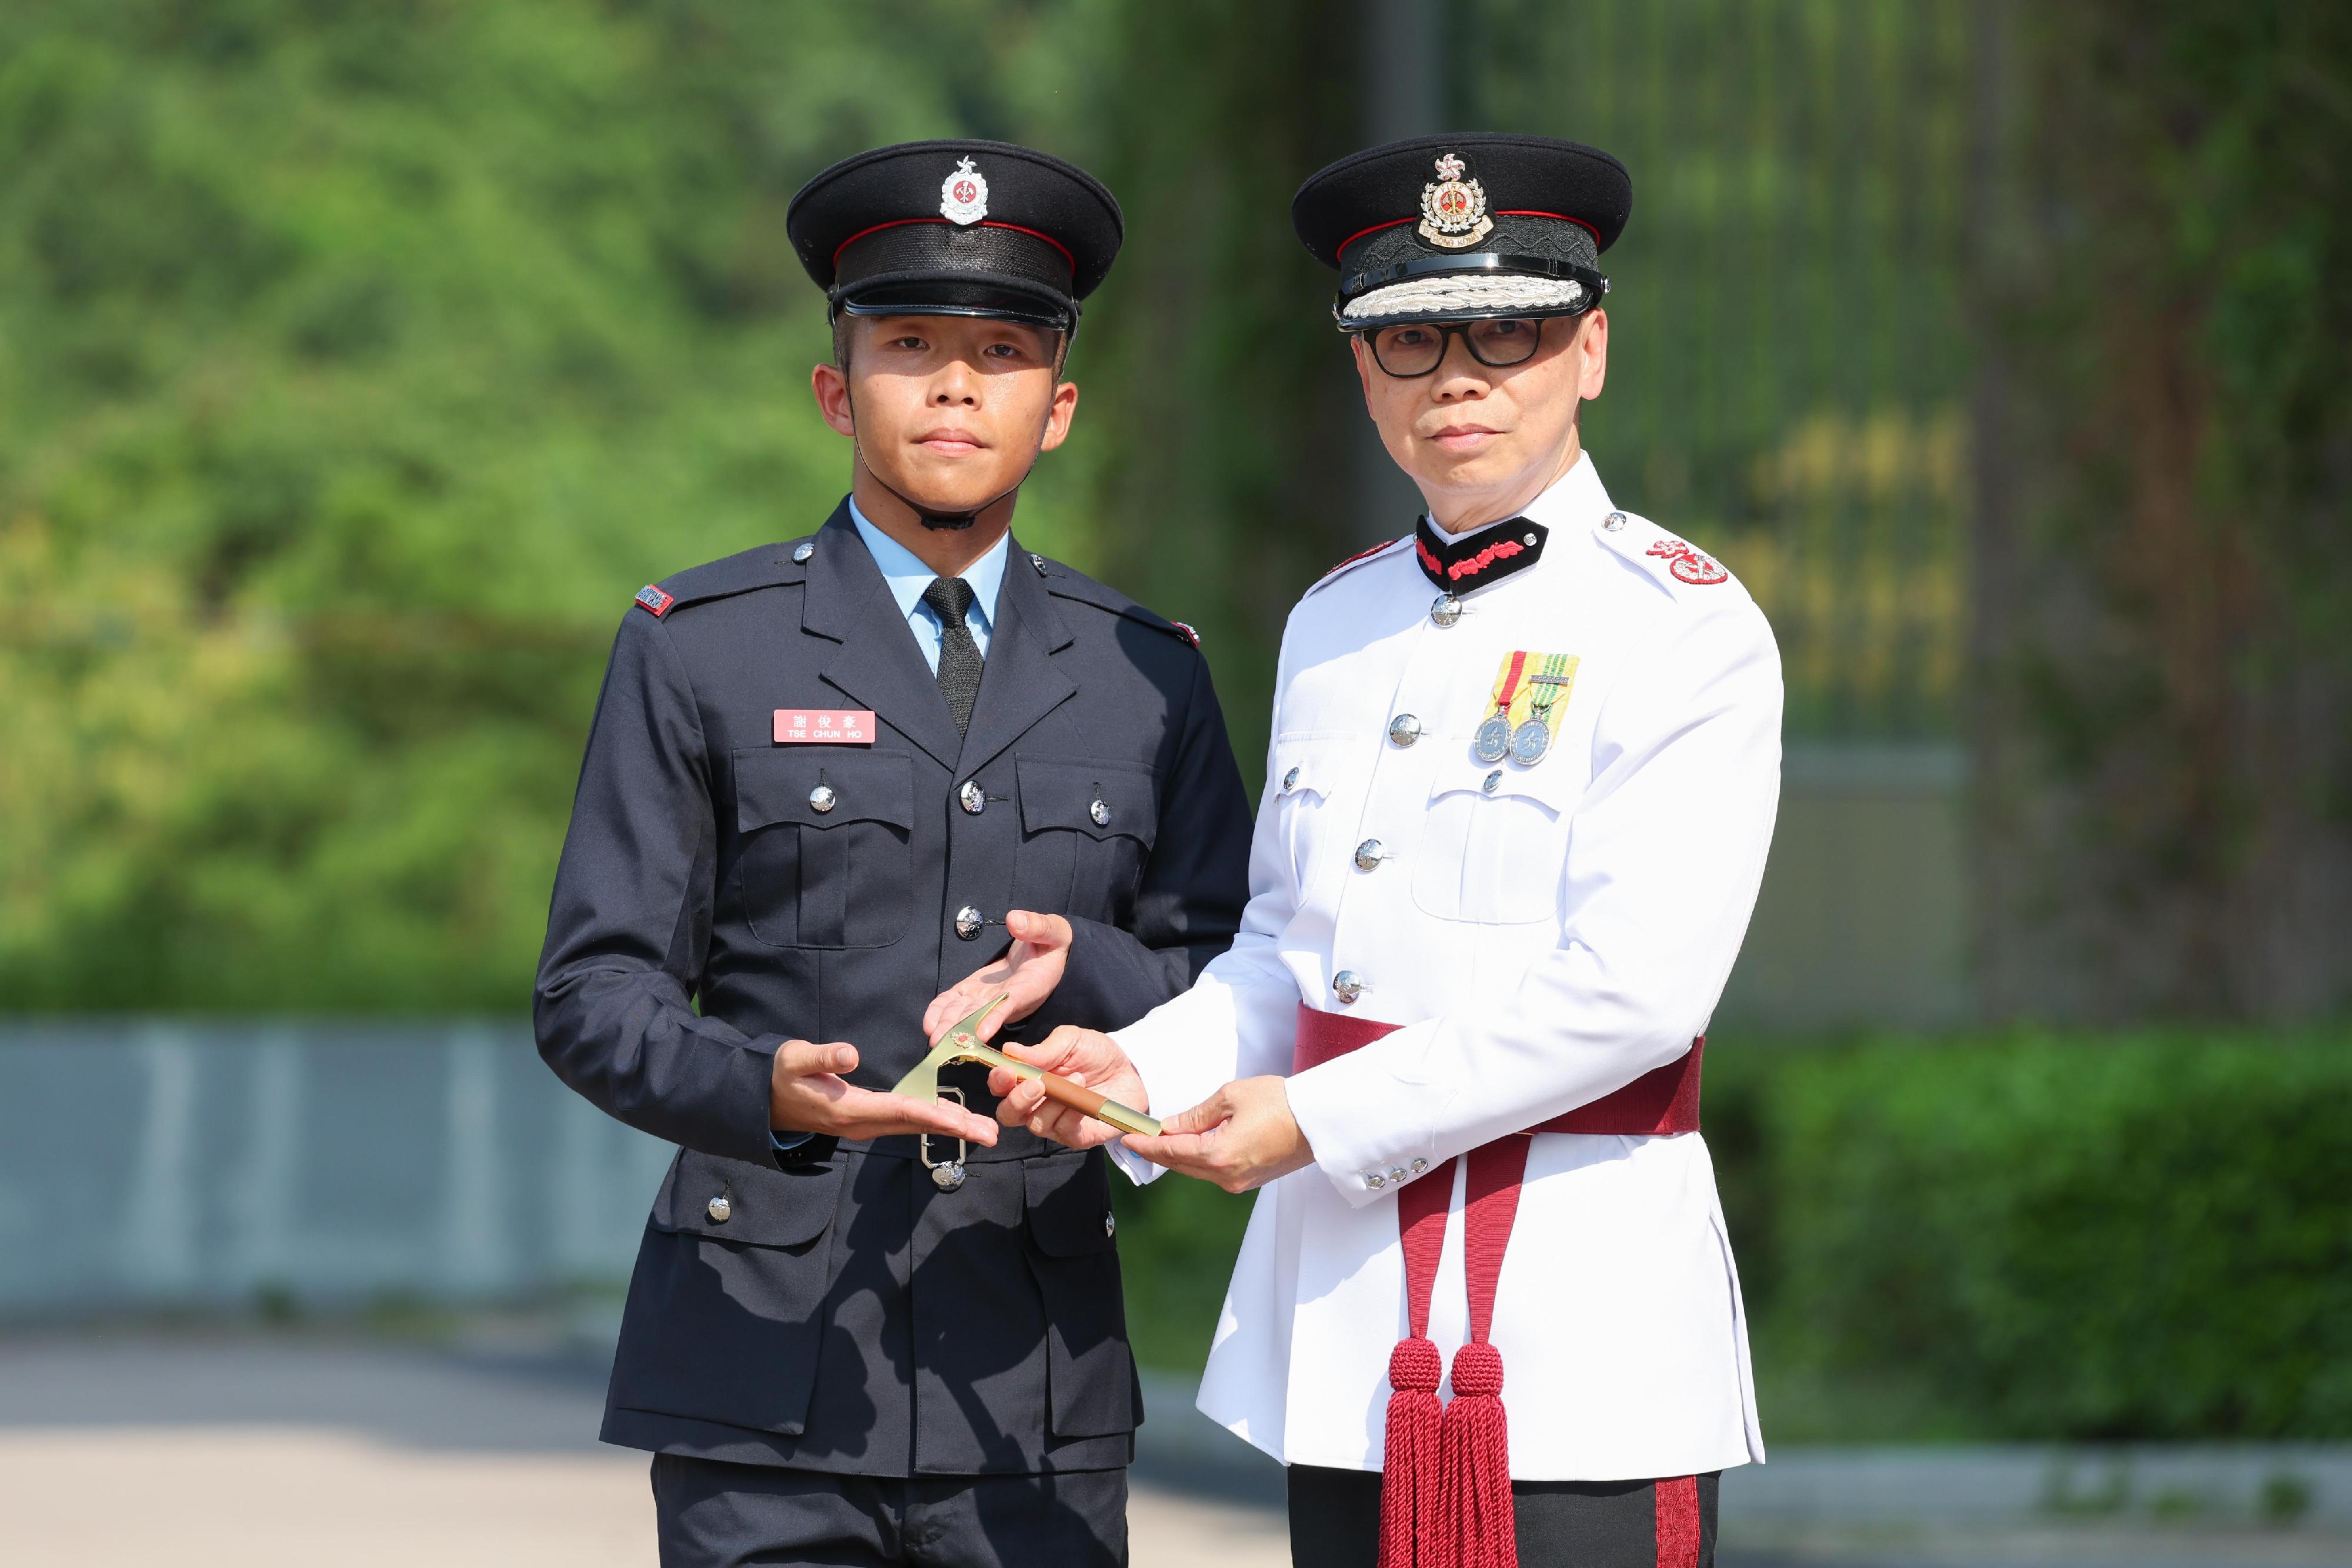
(822, 799)
(1099, 812)
(720, 1210)
(1290, 779)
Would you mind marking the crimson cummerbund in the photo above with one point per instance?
(1658, 1102)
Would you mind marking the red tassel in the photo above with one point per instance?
(1413, 1533)
(1475, 1449)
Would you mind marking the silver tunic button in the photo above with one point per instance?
(1397, 1175)
(1110, 1225)
(948, 1176)
(1528, 540)
(974, 799)
(1369, 855)
(803, 552)
(1492, 782)
(1404, 729)
(1290, 779)
(1099, 812)
(718, 1208)
(1419, 1166)
(1446, 611)
(822, 799)
(968, 922)
(1376, 1181)
(1614, 521)
(1347, 985)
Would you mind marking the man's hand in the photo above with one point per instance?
(1026, 976)
(806, 1093)
(1082, 1056)
(1241, 1137)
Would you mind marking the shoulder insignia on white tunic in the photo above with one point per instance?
(1358, 560)
(1646, 545)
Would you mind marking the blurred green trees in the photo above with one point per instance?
(358, 362)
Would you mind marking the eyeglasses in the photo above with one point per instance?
(1418, 348)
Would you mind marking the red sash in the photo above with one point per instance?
(1446, 1494)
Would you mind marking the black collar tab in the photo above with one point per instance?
(1474, 560)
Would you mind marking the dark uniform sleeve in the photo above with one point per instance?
(1189, 902)
(630, 922)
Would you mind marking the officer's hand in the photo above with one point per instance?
(1024, 976)
(1241, 1137)
(806, 1093)
(1082, 1056)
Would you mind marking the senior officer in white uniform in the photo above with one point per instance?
(1522, 781)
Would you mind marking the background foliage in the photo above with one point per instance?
(2023, 1237)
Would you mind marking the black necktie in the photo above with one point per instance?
(949, 598)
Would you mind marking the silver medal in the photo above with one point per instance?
(1528, 746)
(1494, 741)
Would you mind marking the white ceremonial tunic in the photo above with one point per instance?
(1545, 940)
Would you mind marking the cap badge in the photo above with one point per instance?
(1452, 209)
(963, 194)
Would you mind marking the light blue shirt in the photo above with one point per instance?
(904, 570)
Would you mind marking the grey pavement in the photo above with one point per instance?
(202, 1446)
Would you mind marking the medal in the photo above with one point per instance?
(1494, 738)
(1533, 738)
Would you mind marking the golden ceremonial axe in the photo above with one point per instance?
(963, 1044)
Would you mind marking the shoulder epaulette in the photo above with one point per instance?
(1663, 555)
(769, 566)
(1062, 582)
(1359, 558)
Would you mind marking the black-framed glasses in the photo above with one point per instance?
(1417, 348)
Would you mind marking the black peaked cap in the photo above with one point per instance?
(1525, 207)
(962, 226)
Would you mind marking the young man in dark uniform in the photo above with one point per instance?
(828, 779)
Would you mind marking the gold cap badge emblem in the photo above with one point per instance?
(1452, 209)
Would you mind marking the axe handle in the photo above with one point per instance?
(1078, 1097)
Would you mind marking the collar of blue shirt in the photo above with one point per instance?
(906, 576)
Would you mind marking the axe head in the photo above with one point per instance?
(962, 1042)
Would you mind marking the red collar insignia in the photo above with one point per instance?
(1490, 555)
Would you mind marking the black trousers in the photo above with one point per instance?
(717, 1515)
(1334, 1521)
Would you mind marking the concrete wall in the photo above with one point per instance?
(1863, 919)
(185, 1165)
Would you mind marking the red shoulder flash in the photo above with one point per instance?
(654, 599)
(1190, 635)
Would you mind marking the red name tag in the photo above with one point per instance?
(825, 726)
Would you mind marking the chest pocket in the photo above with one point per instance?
(824, 861)
(1305, 784)
(1495, 856)
(1087, 829)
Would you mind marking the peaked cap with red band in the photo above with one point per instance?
(957, 228)
(1453, 228)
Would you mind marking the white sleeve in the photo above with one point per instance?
(1664, 860)
(1240, 1018)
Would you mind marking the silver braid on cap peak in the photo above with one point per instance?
(1457, 292)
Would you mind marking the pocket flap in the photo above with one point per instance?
(781, 786)
(1068, 1200)
(1550, 783)
(764, 1207)
(1056, 794)
(1307, 764)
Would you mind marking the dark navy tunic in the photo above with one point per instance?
(851, 1317)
